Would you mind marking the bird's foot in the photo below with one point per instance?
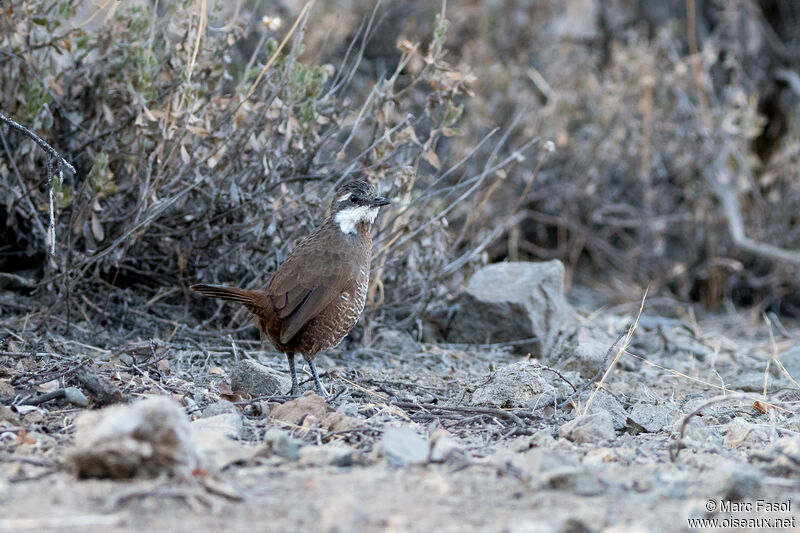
(293, 374)
(317, 384)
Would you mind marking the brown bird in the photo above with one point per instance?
(316, 296)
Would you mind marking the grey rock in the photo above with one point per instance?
(76, 397)
(143, 439)
(654, 322)
(699, 434)
(653, 418)
(335, 455)
(750, 381)
(591, 428)
(219, 408)
(585, 351)
(603, 401)
(719, 413)
(349, 409)
(790, 359)
(511, 301)
(258, 380)
(402, 446)
(394, 341)
(512, 385)
(280, 443)
(743, 434)
(219, 449)
(228, 424)
(699, 351)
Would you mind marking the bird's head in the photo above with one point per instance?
(354, 202)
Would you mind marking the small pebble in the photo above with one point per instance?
(74, 396)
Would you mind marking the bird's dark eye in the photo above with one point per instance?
(353, 200)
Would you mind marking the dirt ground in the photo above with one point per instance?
(552, 466)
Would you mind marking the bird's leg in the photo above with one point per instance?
(293, 372)
(317, 384)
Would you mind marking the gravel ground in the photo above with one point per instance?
(417, 437)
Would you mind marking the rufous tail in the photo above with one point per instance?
(228, 293)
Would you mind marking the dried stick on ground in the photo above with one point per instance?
(462, 409)
(54, 160)
(625, 344)
(678, 445)
(600, 372)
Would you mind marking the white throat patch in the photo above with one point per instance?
(348, 218)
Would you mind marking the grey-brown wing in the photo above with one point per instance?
(312, 276)
(298, 297)
(310, 306)
(286, 299)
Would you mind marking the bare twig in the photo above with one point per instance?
(678, 445)
(601, 369)
(620, 351)
(791, 78)
(55, 161)
(462, 409)
(117, 499)
(730, 204)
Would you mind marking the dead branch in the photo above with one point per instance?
(463, 409)
(54, 160)
(676, 448)
(71, 394)
(99, 387)
(790, 77)
(730, 204)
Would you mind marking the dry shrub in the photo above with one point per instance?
(182, 177)
(204, 151)
(644, 132)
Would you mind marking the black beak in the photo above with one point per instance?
(379, 201)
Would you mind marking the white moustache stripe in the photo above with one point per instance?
(348, 218)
